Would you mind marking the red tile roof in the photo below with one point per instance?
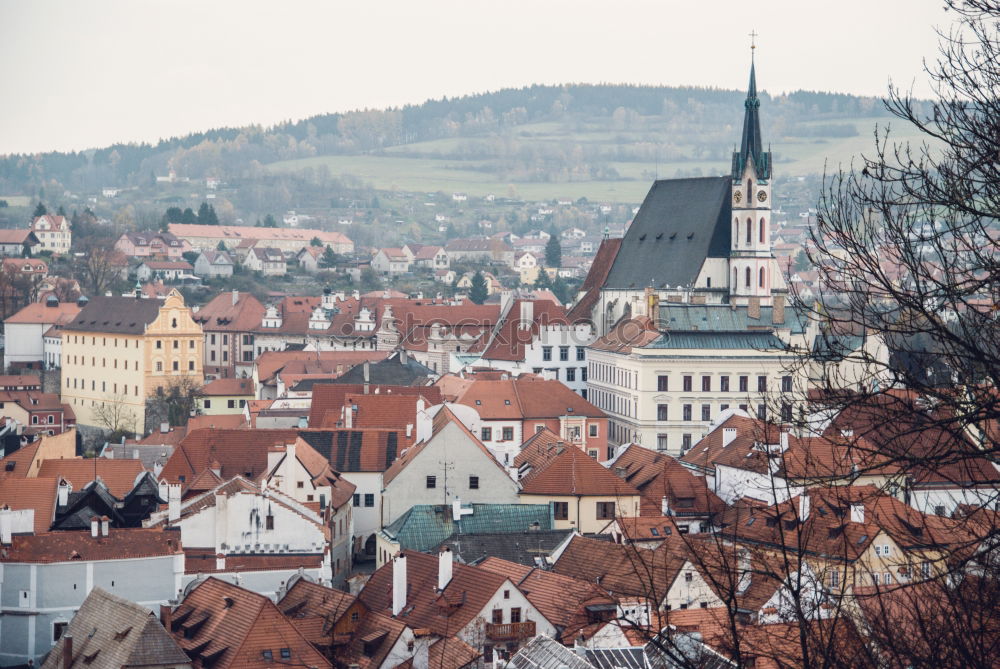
(560, 598)
(221, 314)
(658, 475)
(119, 476)
(40, 312)
(229, 386)
(598, 274)
(31, 493)
(622, 570)
(573, 472)
(239, 452)
(203, 561)
(223, 626)
(443, 612)
(514, 335)
(525, 397)
(329, 399)
(333, 362)
(72, 546)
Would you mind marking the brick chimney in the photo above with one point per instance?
(95, 526)
(105, 526)
(67, 655)
(778, 313)
(445, 566)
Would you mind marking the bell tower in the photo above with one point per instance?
(751, 262)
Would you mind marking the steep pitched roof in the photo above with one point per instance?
(680, 224)
(514, 335)
(560, 598)
(119, 476)
(31, 493)
(230, 312)
(525, 397)
(658, 475)
(238, 452)
(41, 312)
(110, 632)
(573, 472)
(444, 612)
(115, 315)
(362, 450)
(223, 626)
(583, 310)
(619, 569)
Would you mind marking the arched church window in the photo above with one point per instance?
(747, 277)
(749, 192)
(749, 231)
(736, 231)
(736, 282)
(762, 231)
(761, 280)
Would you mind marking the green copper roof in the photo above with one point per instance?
(425, 526)
(758, 341)
(751, 144)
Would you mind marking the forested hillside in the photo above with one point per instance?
(540, 134)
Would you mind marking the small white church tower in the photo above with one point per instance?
(751, 262)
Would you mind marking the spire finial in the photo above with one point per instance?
(753, 41)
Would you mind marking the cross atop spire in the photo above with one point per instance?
(751, 146)
(753, 40)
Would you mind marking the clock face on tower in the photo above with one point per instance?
(737, 196)
(761, 196)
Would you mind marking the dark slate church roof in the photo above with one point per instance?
(680, 223)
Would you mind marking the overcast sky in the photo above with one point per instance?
(81, 74)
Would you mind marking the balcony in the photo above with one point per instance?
(510, 631)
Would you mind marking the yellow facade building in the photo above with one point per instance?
(119, 351)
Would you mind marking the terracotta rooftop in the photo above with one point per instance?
(229, 386)
(514, 335)
(658, 475)
(31, 493)
(229, 312)
(40, 312)
(329, 400)
(443, 612)
(573, 472)
(118, 476)
(71, 546)
(525, 397)
(239, 452)
(622, 570)
(223, 626)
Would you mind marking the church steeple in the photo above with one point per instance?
(751, 146)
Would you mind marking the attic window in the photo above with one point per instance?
(507, 402)
(654, 532)
(267, 654)
(286, 653)
(862, 539)
(478, 402)
(87, 659)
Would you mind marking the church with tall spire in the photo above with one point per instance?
(704, 240)
(690, 306)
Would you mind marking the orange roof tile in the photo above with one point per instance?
(31, 493)
(573, 472)
(119, 476)
(70, 546)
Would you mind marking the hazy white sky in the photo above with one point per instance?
(79, 74)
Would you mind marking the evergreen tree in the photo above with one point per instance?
(560, 289)
(329, 258)
(315, 242)
(188, 216)
(553, 252)
(40, 210)
(61, 211)
(479, 292)
(206, 215)
(221, 246)
(542, 280)
(269, 222)
(174, 215)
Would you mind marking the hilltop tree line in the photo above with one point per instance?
(634, 110)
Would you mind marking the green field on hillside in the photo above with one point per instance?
(437, 166)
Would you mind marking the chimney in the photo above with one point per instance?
(778, 313)
(63, 493)
(166, 616)
(173, 502)
(6, 526)
(665, 505)
(783, 441)
(398, 584)
(753, 308)
(95, 526)
(403, 359)
(857, 513)
(728, 434)
(744, 570)
(804, 505)
(105, 526)
(527, 314)
(236, 297)
(444, 568)
(220, 562)
(367, 372)
(162, 490)
(164, 428)
(67, 654)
